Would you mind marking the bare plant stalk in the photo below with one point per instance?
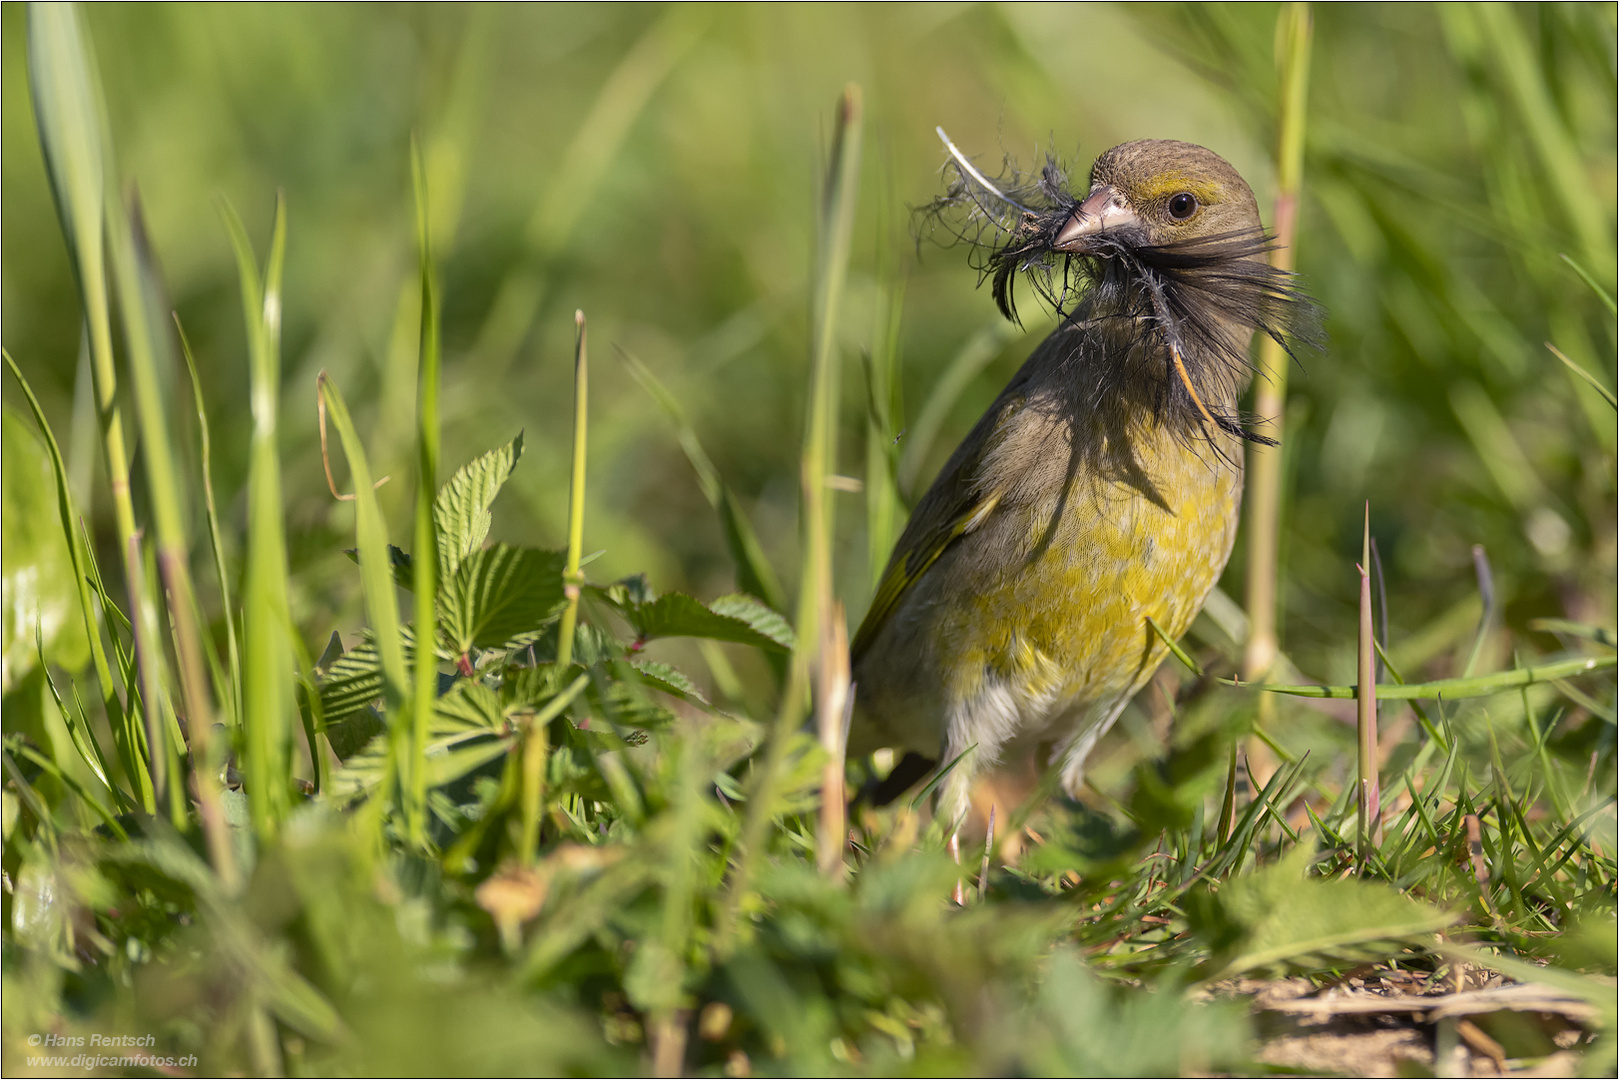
(1370, 818)
(668, 1044)
(199, 715)
(1486, 619)
(1270, 398)
(576, 494)
(832, 704)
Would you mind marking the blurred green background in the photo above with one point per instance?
(657, 167)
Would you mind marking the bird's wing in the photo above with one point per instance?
(904, 572)
(956, 504)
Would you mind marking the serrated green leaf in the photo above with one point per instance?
(1278, 917)
(758, 615)
(447, 764)
(531, 688)
(353, 682)
(331, 654)
(591, 645)
(399, 561)
(461, 510)
(449, 757)
(670, 680)
(631, 590)
(363, 771)
(354, 732)
(354, 679)
(737, 618)
(628, 705)
(501, 595)
(470, 706)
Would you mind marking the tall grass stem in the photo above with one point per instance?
(1265, 464)
(884, 407)
(815, 602)
(1370, 816)
(576, 491)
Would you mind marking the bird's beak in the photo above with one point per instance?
(1103, 209)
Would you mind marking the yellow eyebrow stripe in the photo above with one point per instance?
(1160, 188)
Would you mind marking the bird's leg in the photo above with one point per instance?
(1072, 752)
(954, 801)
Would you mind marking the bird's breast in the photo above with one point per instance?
(1140, 528)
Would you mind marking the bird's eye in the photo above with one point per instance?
(1182, 206)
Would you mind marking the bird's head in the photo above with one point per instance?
(1157, 193)
(1168, 235)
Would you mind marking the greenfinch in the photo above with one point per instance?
(1101, 489)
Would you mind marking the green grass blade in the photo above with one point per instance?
(1454, 689)
(139, 295)
(938, 777)
(376, 569)
(266, 654)
(1174, 647)
(69, 112)
(1590, 379)
(310, 711)
(1596, 286)
(754, 574)
(425, 691)
(884, 407)
(232, 688)
(1519, 70)
(84, 573)
(1600, 634)
(1268, 466)
(79, 731)
(66, 779)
